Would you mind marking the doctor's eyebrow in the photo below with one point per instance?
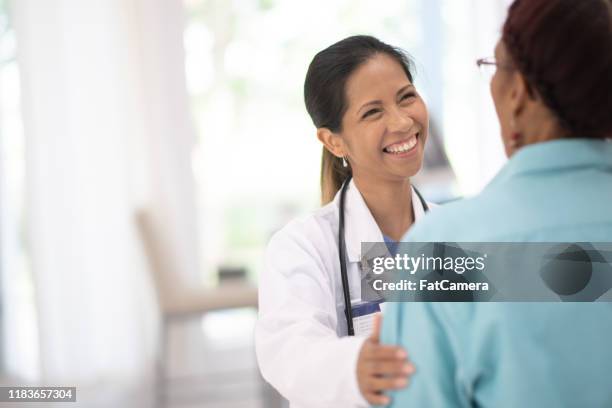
(403, 89)
(378, 101)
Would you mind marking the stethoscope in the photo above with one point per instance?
(342, 254)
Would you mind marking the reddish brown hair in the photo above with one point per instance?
(563, 48)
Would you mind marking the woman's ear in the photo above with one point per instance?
(521, 94)
(332, 142)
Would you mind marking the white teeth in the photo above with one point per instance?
(403, 147)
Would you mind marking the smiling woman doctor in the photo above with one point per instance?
(373, 125)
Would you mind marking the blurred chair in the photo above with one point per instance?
(177, 300)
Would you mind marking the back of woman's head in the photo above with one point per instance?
(325, 94)
(563, 48)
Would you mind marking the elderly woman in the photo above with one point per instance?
(552, 93)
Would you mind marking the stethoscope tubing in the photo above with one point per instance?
(348, 311)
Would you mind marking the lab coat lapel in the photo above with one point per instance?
(360, 225)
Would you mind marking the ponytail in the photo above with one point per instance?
(333, 174)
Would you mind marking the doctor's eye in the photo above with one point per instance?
(407, 96)
(370, 113)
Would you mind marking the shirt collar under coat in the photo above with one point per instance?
(359, 224)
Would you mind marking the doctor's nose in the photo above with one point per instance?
(399, 122)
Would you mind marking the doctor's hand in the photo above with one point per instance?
(381, 367)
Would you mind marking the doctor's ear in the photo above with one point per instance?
(332, 142)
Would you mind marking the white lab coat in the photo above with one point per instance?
(301, 335)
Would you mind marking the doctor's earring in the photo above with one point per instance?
(344, 162)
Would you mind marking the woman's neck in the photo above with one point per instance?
(541, 125)
(390, 203)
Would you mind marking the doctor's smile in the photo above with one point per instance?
(404, 148)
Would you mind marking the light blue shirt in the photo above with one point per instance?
(516, 354)
(391, 244)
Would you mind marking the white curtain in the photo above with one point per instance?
(107, 131)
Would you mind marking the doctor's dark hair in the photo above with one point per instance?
(563, 49)
(325, 95)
